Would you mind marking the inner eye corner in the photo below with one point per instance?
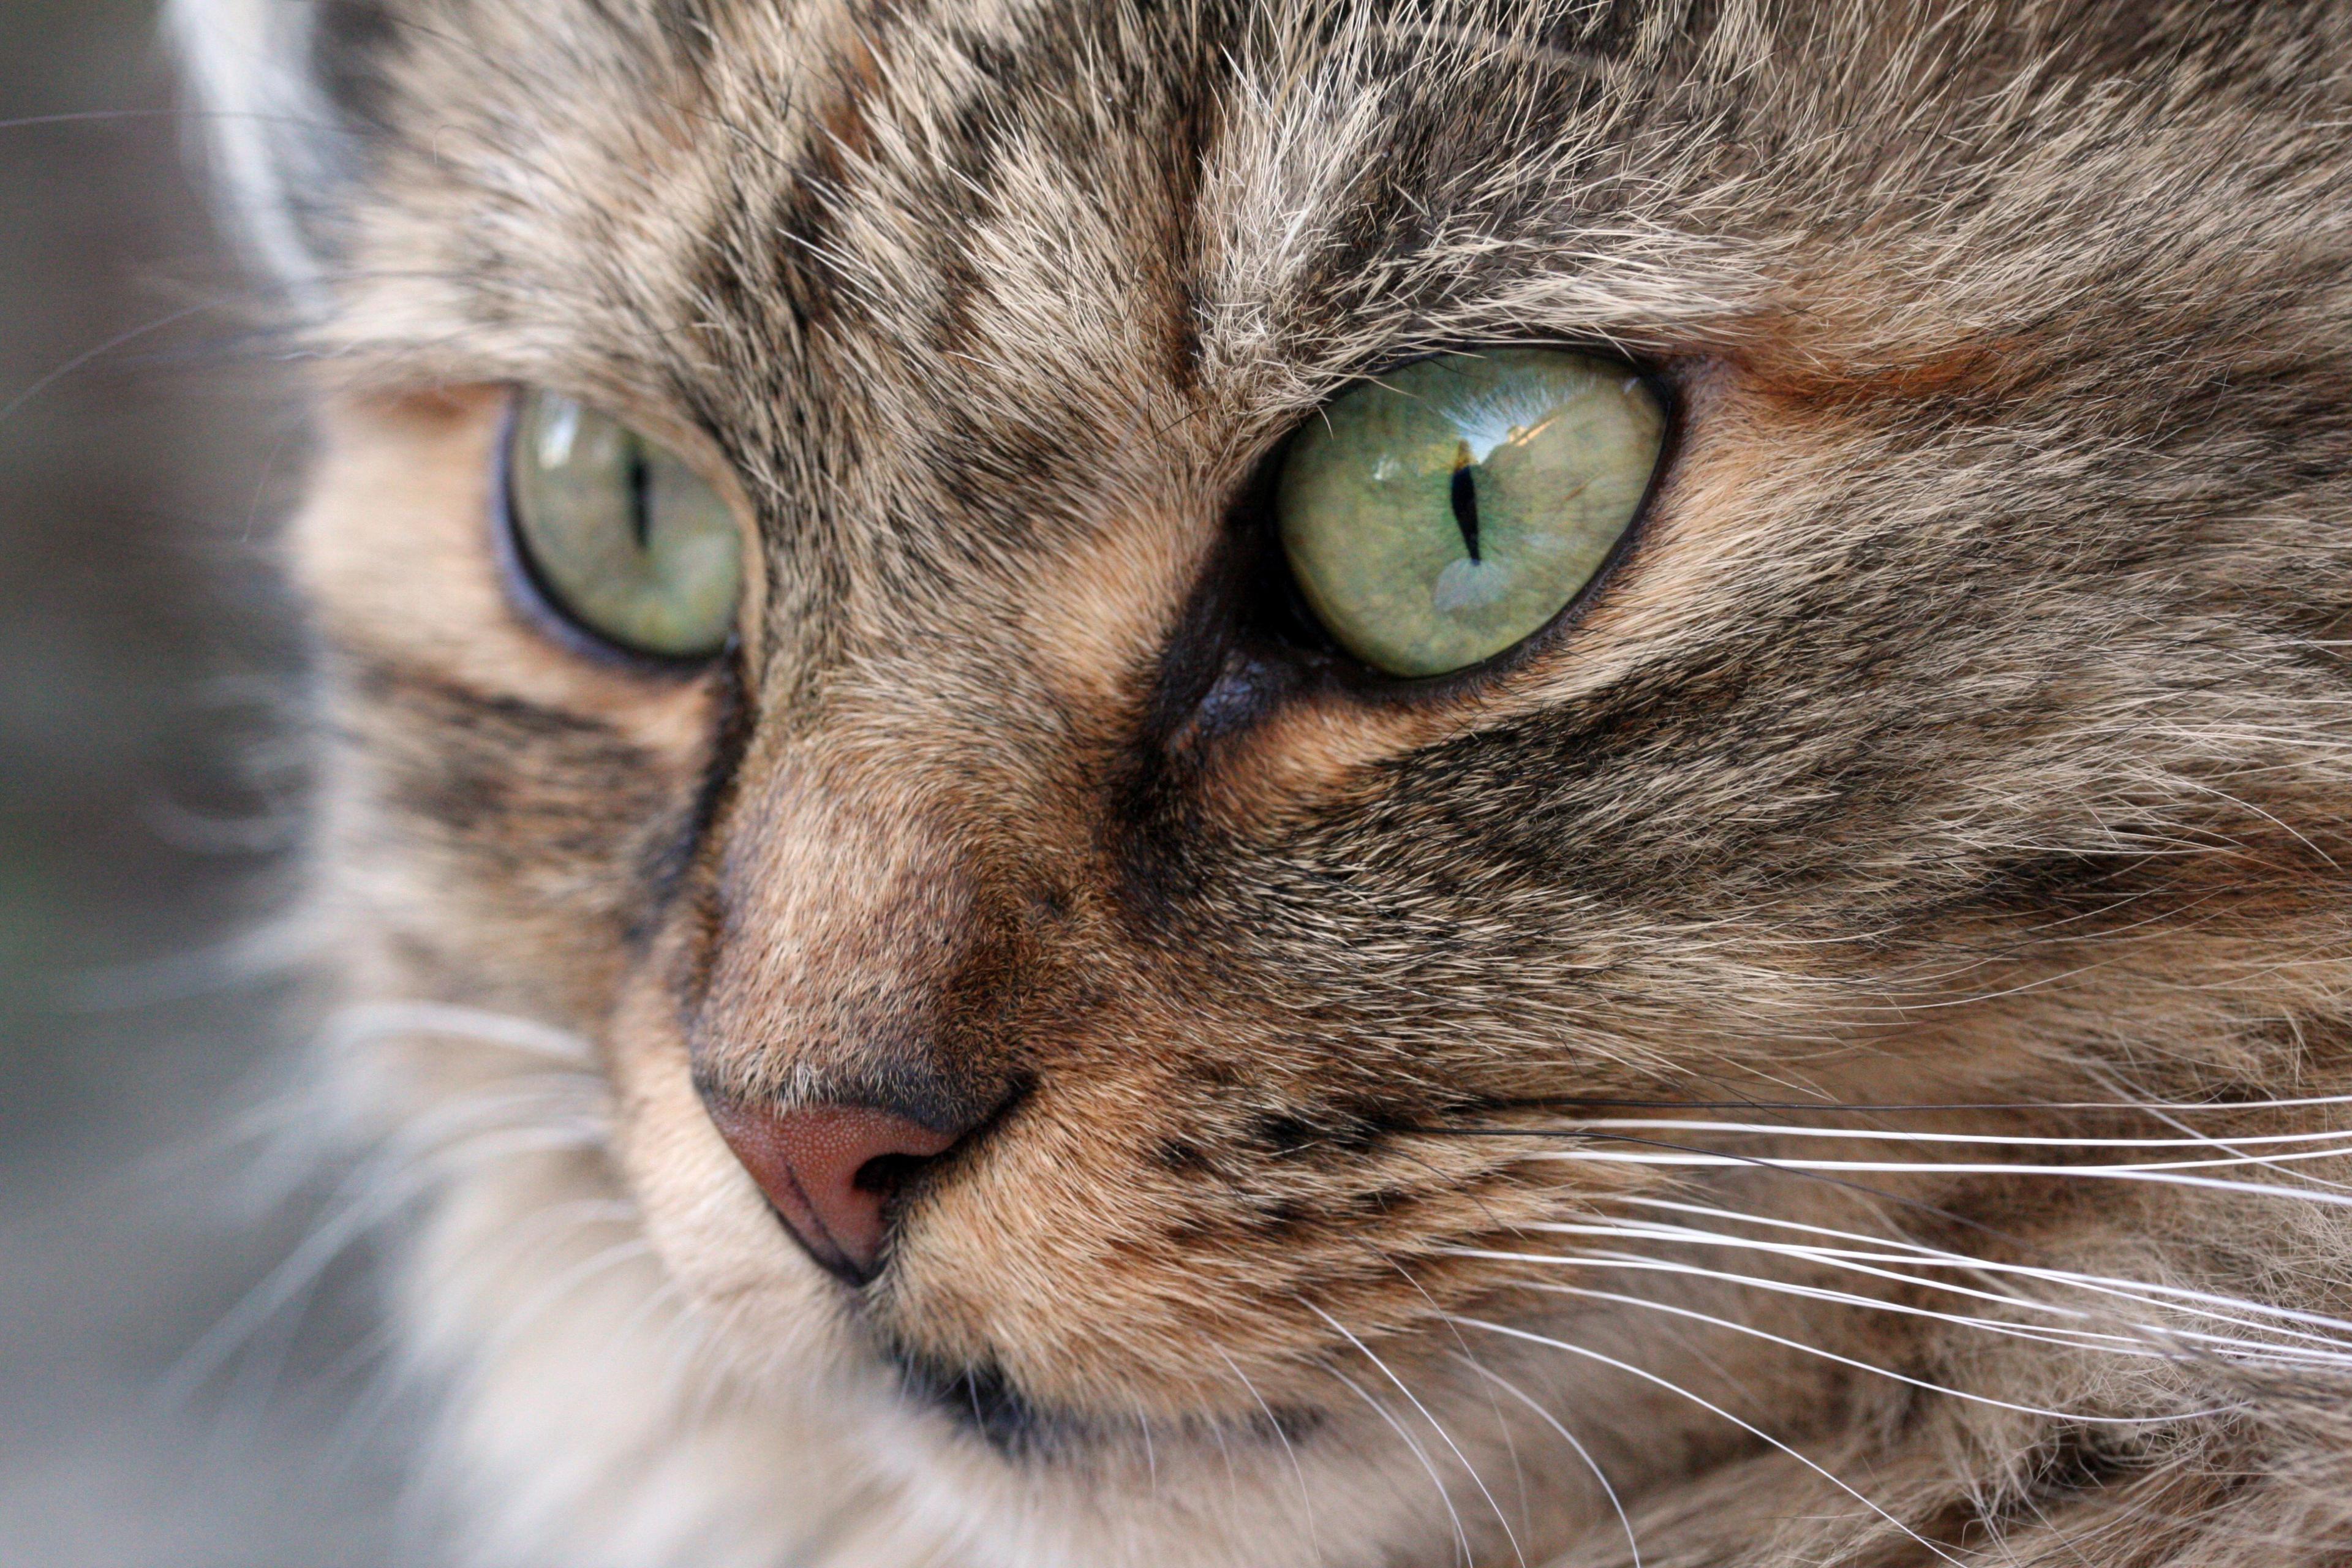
(1269, 609)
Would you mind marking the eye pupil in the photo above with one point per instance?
(1464, 496)
(641, 497)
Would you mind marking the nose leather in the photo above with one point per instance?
(828, 1170)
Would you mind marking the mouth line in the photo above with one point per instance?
(980, 1398)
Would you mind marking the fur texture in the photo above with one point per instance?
(1786, 1067)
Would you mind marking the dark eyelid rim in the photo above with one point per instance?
(1331, 668)
(537, 605)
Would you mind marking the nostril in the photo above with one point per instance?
(884, 1175)
(830, 1170)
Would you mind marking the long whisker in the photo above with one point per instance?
(1632, 1544)
(2121, 1343)
(289, 1282)
(1692, 1313)
(1151, 1449)
(1927, 1255)
(1749, 1427)
(9, 408)
(106, 116)
(262, 952)
(1717, 1158)
(2217, 1344)
(1510, 1444)
(1860, 1261)
(1232, 1476)
(1914, 1256)
(553, 1291)
(1305, 1499)
(1881, 1135)
(1443, 1437)
(1445, 1493)
(2235, 1145)
(367, 1021)
(1826, 1107)
(587, 1212)
(657, 1299)
(378, 1188)
(688, 1377)
(2172, 1172)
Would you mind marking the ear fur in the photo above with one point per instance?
(287, 93)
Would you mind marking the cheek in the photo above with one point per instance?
(500, 813)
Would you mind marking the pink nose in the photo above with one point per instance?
(828, 1170)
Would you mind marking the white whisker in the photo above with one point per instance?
(1914, 1254)
(1305, 1497)
(366, 1021)
(657, 1299)
(1232, 1476)
(2121, 1343)
(1461, 1535)
(260, 954)
(1632, 1544)
(1875, 1135)
(2234, 1145)
(1442, 1435)
(1827, 1107)
(1623, 1300)
(1749, 1427)
(554, 1291)
(376, 1189)
(2158, 1173)
(2216, 1345)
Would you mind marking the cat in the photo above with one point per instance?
(1330, 782)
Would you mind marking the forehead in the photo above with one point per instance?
(1072, 209)
(721, 205)
(991, 312)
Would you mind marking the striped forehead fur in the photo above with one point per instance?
(1831, 1054)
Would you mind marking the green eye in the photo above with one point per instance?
(1441, 514)
(619, 533)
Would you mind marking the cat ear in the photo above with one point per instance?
(286, 92)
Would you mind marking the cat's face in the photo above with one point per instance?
(1030, 805)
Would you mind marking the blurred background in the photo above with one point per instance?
(149, 776)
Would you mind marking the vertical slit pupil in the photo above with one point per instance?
(1465, 495)
(641, 486)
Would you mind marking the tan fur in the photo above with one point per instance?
(1958, 752)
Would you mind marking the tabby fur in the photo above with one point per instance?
(1967, 730)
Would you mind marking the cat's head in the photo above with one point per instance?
(1070, 850)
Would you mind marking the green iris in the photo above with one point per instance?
(1443, 512)
(621, 534)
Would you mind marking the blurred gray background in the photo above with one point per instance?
(148, 778)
